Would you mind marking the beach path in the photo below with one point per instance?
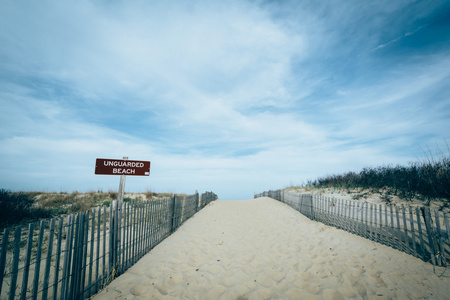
(264, 249)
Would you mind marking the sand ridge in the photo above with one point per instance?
(263, 249)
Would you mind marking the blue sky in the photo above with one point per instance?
(235, 97)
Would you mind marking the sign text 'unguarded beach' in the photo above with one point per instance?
(122, 167)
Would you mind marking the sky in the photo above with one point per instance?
(234, 97)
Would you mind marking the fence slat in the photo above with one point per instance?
(429, 229)
(91, 258)
(128, 245)
(366, 220)
(147, 227)
(173, 213)
(119, 237)
(399, 231)
(440, 241)
(382, 233)
(111, 238)
(419, 227)
(26, 270)
(413, 234)
(65, 274)
(84, 248)
(37, 267)
(58, 259)
(371, 222)
(134, 231)
(104, 248)
(391, 227)
(76, 257)
(77, 263)
(153, 222)
(447, 225)
(405, 228)
(15, 265)
(141, 225)
(49, 259)
(3, 256)
(97, 262)
(354, 224)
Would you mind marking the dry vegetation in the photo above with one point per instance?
(426, 182)
(21, 207)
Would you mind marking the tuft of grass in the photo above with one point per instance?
(149, 195)
(113, 195)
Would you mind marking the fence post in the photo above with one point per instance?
(112, 239)
(3, 256)
(26, 269)
(58, 259)
(197, 200)
(77, 257)
(37, 267)
(15, 265)
(172, 229)
(49, 257)
(440, 242)
(67, 258)
(431, 240)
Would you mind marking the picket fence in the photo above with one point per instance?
(418, 231)
(74, 257)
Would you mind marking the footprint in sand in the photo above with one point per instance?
(138, 290)
(312, 256)
(361, 290)
(347, 292)
(313, 289)
(214, 270)
(249, 258)
(161, 290)
(332, 295)
(320, 260)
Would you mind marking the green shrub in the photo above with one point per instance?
(17, 207)
(113, 195)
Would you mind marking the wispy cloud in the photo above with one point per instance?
(398, 38)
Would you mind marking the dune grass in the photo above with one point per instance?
(427, 179)
(22, 207)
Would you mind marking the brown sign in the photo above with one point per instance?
(122, 167)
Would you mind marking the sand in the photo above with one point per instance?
(263, 249)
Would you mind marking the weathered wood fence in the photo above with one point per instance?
(419, 231)
(76, 256)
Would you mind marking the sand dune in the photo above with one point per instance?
(263, 249)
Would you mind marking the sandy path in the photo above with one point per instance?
(263, 249)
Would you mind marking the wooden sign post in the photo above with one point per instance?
(122, 185)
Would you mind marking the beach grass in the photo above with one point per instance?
(22, 207)
(426, 179)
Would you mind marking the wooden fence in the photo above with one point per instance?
(418, 231)
(74, 257)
